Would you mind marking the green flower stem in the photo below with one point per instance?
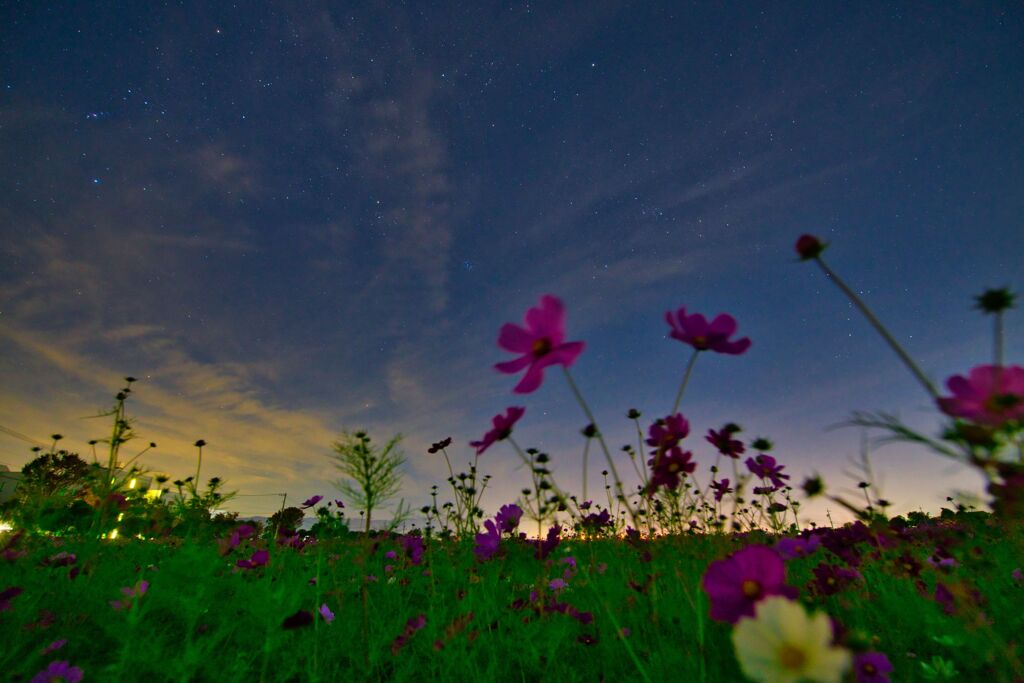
(686, 380)
(999, 342)
(925, 382)
(604, 446)
(556, 489)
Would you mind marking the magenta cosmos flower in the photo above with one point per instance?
(541, 344)
(695, 331)
(58, 671)
(872, 667)
(737, 583)
(669, 431)
(984, 399)
(666, 470)
(502, 429)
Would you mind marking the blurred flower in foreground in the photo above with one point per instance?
(58, 671)
(782, 644)
(734, 585)
(992, 395)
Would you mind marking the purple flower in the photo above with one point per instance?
(595, 521)
(1017, 575)
(8, 594)
(790, 548)
(243, 531)
(508, 517)
(339, 503)
(413, 548)
(557, 585)
(666, 470)
(58, 671)
(765, 467)
(872, 667)
(830, 579)
(993, 395)
(545, 547)
(502, 428)
(258, 559)
(54, 646)
(326, 613)
(737, 583)
(695, 331)
(724, 442)
(310, 502)
(668, 432)
(297, 620)
(541, 344)
(487, 542)
(944, 597)
(721, 488)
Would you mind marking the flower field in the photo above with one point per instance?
(698, 572)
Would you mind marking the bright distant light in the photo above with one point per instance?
(112, 534)
(5, 526)
(131, 484)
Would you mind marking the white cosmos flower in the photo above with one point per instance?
(783, 644)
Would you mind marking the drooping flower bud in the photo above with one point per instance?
(809, 246)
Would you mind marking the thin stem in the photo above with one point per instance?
(686, 380)
(604, 446)
(586, 457)
(999, 342)
(925, 382)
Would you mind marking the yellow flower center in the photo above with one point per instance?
(869, 669)
(792, 658)
(751, 589)
(998, 403)
(700, 341)
(541, 346)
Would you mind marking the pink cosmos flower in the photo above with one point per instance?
(508, 517)
(310, 502)
(668, 469)
(669, 431)
(765, 467)
(326, 613)
(9, 594)
(725, 444)
(872, 667)
(487, 542)
(984, 399)
(414, 548)
(737, 583)
(790, 548)
(258, 559)
(721, 488)
(695, 331)
(541, 344)
(54, 646)
(502, 428)
(58, 671)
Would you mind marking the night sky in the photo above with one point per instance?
(291, 220)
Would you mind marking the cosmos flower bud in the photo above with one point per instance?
(995, 300)
(809, 247)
